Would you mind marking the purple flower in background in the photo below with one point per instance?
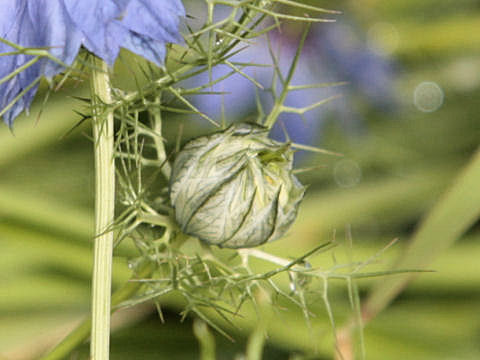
(63, 26)
(240, 96)
(345, 54)
(333, 53)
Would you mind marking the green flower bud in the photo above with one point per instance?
(235, 188)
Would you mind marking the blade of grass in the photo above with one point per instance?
(447, 221)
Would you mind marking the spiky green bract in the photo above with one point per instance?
(235, 188)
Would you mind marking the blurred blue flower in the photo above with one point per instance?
(332, 53)
(62, 26)
(346, 54)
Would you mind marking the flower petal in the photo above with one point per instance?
(157, 19)
(62, 26)
(53, 28)
(98, 22)
(33, 24)
(16, 16)
(145, 46)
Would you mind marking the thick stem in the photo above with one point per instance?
(104, 210)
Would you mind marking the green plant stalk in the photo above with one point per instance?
(104, 209)
(82, 332)
(205, 339)
(157, 126)
(447, 221)
(278, 106)
(256, 342)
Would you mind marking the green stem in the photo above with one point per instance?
(82, 332)
(454, 214)
(158, 139)
(100, 85)
(104, 210)
(278, 106)
(205, 339)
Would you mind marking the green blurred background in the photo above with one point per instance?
(397, 165)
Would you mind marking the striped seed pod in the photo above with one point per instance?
(235, 188)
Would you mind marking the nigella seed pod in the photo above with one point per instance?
(235, 188)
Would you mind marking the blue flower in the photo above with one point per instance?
(333, 53)
(63, 26)
(346, 54)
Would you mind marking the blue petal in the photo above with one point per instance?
(148, 48)
(142, 26)
(156, 19)
(62, 26)
(98, 22)
(40, 23)
(54, 28)
(8, 13)
(15, 16)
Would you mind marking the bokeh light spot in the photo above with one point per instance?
(428, 96)
(347, 173)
